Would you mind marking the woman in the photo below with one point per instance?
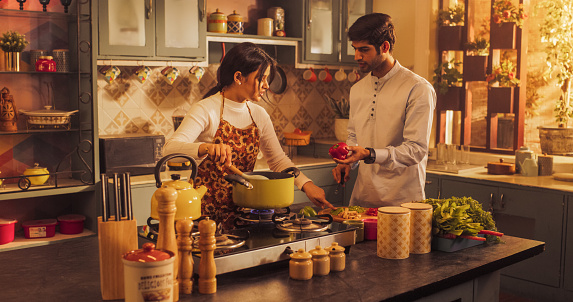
(228, 127)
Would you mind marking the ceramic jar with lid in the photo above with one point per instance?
(235, 23)
(337, 257)
(300, 265)
(217, 22)
(43, 174)
(320, 261)
(148, 274)
(46, 64)
(520, 155)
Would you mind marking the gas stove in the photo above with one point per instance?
(263, 243)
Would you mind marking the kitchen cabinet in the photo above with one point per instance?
(326, 28)
(525, 213)
(322, 177)
(68, 152)
(432, 187)
(145, 29)
(568, 266)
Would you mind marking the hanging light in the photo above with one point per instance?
(66, 3)
(44, 3)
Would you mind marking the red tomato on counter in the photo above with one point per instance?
(339, 151)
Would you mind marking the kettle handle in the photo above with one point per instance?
(163, 160)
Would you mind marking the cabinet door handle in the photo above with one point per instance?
(149, 8)
(202, 11)
(502, 202)
(428, 182)
(491, 203)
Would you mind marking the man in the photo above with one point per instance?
(391, 112)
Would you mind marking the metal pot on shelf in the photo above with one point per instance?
(188, 201)
(48, 118)
(273, 193)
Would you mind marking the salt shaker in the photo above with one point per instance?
(337, 257)
(320, 261)
(300, 265)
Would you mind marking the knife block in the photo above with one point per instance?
(115, 239)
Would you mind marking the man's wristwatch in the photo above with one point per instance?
(371, 158)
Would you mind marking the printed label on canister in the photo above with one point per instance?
(393, 240)
(37, 232)
(148, 281)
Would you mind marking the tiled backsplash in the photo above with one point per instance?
(128, 106)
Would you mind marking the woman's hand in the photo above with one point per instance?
(218, 152)
(316, 195)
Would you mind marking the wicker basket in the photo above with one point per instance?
(297, 139)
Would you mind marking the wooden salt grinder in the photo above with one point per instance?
(207, 269)
(185, 243)
(166, 239)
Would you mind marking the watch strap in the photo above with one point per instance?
(372, 158)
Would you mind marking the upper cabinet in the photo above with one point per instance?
(146, 29)
(326, 29)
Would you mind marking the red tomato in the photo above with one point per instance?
(339, 151)
(297, 131)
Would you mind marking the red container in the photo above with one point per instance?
(46, 64)
(71, 224)
(39, 228)
(7, 230)
(370, 229)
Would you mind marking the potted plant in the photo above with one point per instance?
(12, 43)
(448, 83)
(475, 61)
(508, 17)
(557, 36)
(501, 84)
(450, 22)
(341, 110)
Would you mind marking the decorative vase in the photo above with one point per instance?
(556, 141)
(340, 129)
(12, 61)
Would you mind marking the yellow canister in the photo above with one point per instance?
(217, 22)
(43, 174)
(393, 240)
(320, 261)
(420, 227)
(300, 265)
(337, 257)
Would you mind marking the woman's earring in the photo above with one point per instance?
(240, 83)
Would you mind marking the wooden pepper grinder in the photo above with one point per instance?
(207, 269)
(185, 243)
(166, 239)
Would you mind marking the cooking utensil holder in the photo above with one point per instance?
(115, 239)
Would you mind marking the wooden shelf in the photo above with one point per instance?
(20, 242)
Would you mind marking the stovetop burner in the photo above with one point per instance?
(299, 224)
(247, 216)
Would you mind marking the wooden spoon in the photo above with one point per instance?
(246, 176)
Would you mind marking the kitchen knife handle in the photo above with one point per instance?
(123, 195)
(104, 198)
(116, 197)
(129, 200)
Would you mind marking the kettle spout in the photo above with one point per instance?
(201, 190)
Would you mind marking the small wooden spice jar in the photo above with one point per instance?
(300, 265)
(320, 261)
(545, 164)
(337, 257)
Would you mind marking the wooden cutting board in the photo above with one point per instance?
(340, 219)
(563, 176)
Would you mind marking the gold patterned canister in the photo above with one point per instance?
(393, 233)
(545, 164)
(235, 23)
(420, 227)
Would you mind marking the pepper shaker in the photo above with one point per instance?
(207, 245)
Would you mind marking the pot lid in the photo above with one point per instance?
(40, 222)
(5, 221)
(35, 167)
(416, 206)
(217, 15)
(393, 210)
(500, 163)
(301, 254)
(72, 218)
(48, 111)
(318, 251)
(148, 253)
(235, 17)
(335, 248)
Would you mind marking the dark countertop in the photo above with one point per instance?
(69, 271)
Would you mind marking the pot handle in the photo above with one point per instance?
(295, 171)
(163, 160)
(327, 216)
(234, 178)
